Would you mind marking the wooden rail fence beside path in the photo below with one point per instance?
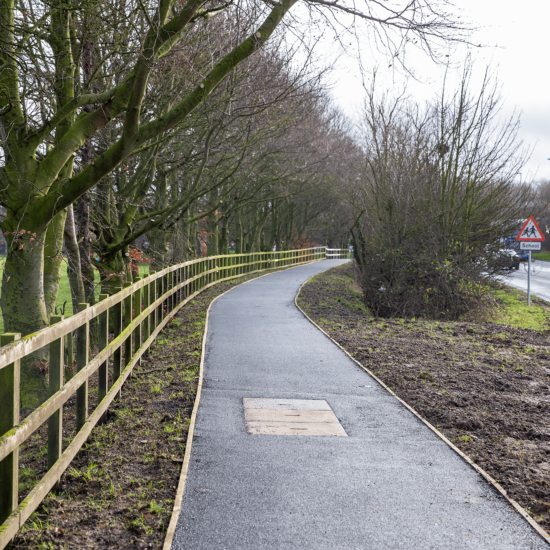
(337, 253)
(137, 313)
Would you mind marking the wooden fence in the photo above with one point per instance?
(337, 253)
(136, 314)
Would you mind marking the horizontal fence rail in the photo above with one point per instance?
(127, 324)
(337, 253)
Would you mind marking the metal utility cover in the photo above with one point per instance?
(291, 417)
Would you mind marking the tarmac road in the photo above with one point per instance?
(540, 279)
(390, 484)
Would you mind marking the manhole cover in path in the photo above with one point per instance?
(291, 417)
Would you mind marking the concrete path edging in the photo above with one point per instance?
(465, 457)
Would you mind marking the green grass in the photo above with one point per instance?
(511, 304)
(541, 256)
(64, 294)
(513, 311)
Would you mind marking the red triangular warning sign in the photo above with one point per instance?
(530, 231)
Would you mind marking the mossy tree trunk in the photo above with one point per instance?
(78, 295)
(53, 261)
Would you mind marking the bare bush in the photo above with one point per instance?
(435, 199)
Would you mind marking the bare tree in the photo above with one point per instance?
(435, 199)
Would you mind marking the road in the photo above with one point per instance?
(540, 279)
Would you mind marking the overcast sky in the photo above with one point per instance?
(517, 40)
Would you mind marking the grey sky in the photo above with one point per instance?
(515, 35)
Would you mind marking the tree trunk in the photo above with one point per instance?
(238, 230)
(24, 308)
(223, 241)
(82, 219)
(113, 273)
(273, 229)
(53, 261)
(213, 238)
(78, 295)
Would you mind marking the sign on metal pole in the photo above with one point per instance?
(529, 237)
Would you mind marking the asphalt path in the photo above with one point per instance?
(540, 279)
(391, 483)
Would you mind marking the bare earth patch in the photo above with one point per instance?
(486, 386)
(119, 490)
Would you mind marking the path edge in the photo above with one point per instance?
(465, 457)
(176, 510)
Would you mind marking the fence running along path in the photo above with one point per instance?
(337, 253)
(138, 313)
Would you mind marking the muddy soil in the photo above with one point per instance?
(119, 490)
(485, 386)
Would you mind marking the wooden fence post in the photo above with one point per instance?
(171, 285)
(103, 341)
(185, 289)
(127, 322)
(117, 326)
(137, 311)
(167, 288)
(69, 341)
(146, 321)
(82, 350)
(55, 422)
(152, 300)
(160, 293)
(9, 417)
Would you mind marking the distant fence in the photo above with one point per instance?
(136, 315)
(337, 253)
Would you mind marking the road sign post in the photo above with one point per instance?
(530, 237)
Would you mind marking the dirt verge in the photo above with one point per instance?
(119, 490)
(485, 386)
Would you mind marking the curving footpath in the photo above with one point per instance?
(386, 482)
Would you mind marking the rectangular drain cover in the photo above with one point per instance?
(291, 417)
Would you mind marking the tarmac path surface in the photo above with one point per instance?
(390, 483)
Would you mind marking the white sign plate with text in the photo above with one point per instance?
(525, 245)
